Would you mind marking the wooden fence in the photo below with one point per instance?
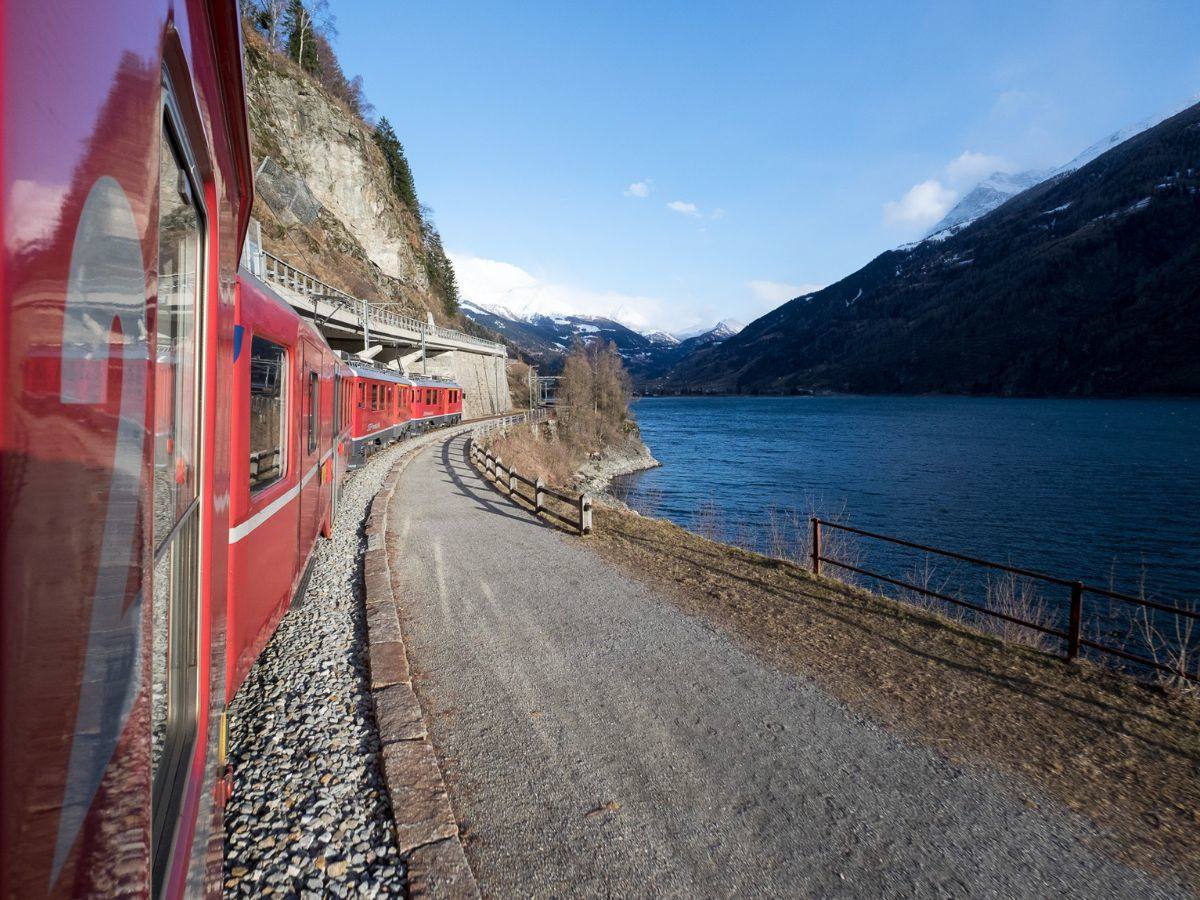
(509, 481)
(1071, 636)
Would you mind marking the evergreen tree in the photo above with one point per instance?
(398, 169)
(437, 265)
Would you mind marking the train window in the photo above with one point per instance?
(362, 389)
(268, 371)
(178, 372)
(337, 401)
(374, 396)
(313, 402)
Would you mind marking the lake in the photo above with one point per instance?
(1102, 491)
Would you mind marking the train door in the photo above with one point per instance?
(335, 482)
(179, 387)
(310, 446)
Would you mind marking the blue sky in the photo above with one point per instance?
(677, 163)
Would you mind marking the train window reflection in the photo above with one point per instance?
(176, 526)
(268, 370)
(175, 394)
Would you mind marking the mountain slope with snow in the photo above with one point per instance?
(1000, 187)
(1083, 285)
(994, 190)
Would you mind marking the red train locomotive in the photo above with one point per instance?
(164, 424)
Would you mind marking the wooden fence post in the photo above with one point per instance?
(816, 546)
(539, 497)
(499, 467)
(585, 514)
(512, 482)
(1075, 621)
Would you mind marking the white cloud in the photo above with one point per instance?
(776, 292)
(685, 208)
(717, 213)
(923, 205)
(969, 167)
(928, 201)
(493, 283)
(640, 188)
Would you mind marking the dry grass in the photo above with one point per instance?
(1175, 644)
(1124, 754)
(1021, 598)
(537, 451)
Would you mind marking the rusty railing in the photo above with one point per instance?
(1072, 637)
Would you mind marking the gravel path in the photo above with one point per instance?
(599, 742)
(310, 815)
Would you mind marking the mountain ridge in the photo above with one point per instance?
(999, 187)
(1083, 285)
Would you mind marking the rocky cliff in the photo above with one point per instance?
(323, 191)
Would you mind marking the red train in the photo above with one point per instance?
(165, 424)
(389, 406)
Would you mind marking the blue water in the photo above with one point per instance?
(1106, 492)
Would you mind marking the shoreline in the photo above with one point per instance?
(596, 476)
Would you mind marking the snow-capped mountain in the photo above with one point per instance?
(986, 196)
(999, 187)
(544, 337)
(725, 328)
(1082, 285)
(547, 338)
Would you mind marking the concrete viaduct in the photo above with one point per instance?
(353, 325)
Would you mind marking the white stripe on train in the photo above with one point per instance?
(240, 531)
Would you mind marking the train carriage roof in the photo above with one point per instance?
(382, 374)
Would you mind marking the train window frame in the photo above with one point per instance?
(336, 419)
(314, 401)
(284, 407)
(180, 553)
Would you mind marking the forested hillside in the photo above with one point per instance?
(1087, 284)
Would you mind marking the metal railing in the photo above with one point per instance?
(1072, 637)
(508, 480)
(271, 268)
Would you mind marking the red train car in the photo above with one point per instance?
(389, 406)
(165, 425)
(288, 422)
(126, 184)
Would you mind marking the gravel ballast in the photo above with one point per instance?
(310, 813)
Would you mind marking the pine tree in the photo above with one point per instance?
(398, 168)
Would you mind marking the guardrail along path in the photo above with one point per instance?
(596, 740)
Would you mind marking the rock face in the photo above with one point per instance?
(323, 192)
